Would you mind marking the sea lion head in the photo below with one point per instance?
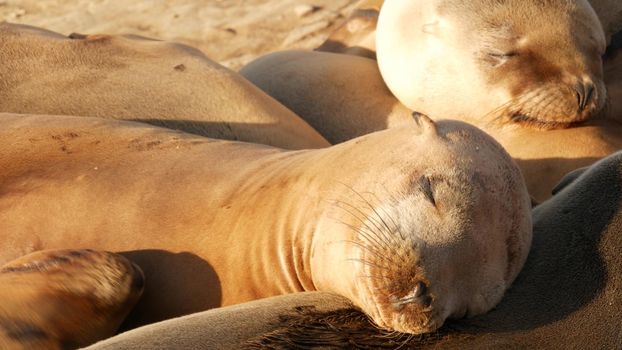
(534, 62)
(447, 241)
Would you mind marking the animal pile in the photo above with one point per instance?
(402, 186)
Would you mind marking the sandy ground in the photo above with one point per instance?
(232, 32)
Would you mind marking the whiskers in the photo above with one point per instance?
(546, 107)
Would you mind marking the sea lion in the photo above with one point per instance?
(532, 62)
(357, 35)
(344, 97)
(61, 299)
(230, 327)
(135, 78)
(341, 96)
(566, 297)
(610, 14)
(414, 224)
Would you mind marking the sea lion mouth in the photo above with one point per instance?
(540, 124)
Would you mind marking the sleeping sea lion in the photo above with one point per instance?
(134, 78)
(414, 224)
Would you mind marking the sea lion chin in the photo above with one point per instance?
(528, 62)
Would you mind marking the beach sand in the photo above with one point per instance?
(231, 32)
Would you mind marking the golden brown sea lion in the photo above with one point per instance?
(344, 97)
(134, 78)
(62, 299)
(566, 297)
(533, 62)
(341, 96)
(413, 224)
(357, 35)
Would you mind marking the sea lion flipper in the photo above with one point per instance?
(65, 298)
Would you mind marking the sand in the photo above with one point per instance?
(232, 32)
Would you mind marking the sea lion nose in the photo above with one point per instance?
(585, 94)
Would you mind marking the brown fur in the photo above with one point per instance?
(342, 97)
(135, 78)
(357, 35)
(63, 299)
(566, 297)
(214, 223)
(227, 327)
(350, 100)
(610, 14)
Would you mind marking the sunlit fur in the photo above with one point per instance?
(531, 62)
(431, 252)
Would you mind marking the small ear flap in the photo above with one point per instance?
(568, 179)
(424, 123)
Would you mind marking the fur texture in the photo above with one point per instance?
(567, 295)
(134, 78)
(62, 299)
(214, 223)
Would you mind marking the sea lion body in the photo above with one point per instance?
(214, 223)
(315, 85)
(64, 299)
(231, 327)
(528, 62)
(341, 96)
(357, 35)
(134, 78)
(566, 296)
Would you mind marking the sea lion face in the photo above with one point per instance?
(536, 63)
(451, 243)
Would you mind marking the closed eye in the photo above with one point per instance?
(498, 58)
(503, 55)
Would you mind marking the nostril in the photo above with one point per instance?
(589, 93)
(585, 94)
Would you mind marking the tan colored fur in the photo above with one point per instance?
(536, 63)
(224, 328)
(567, 295)
(214, 223)
(341, 96)
(60, 299)
(134, 78)
(349, 100)
(357, 35)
